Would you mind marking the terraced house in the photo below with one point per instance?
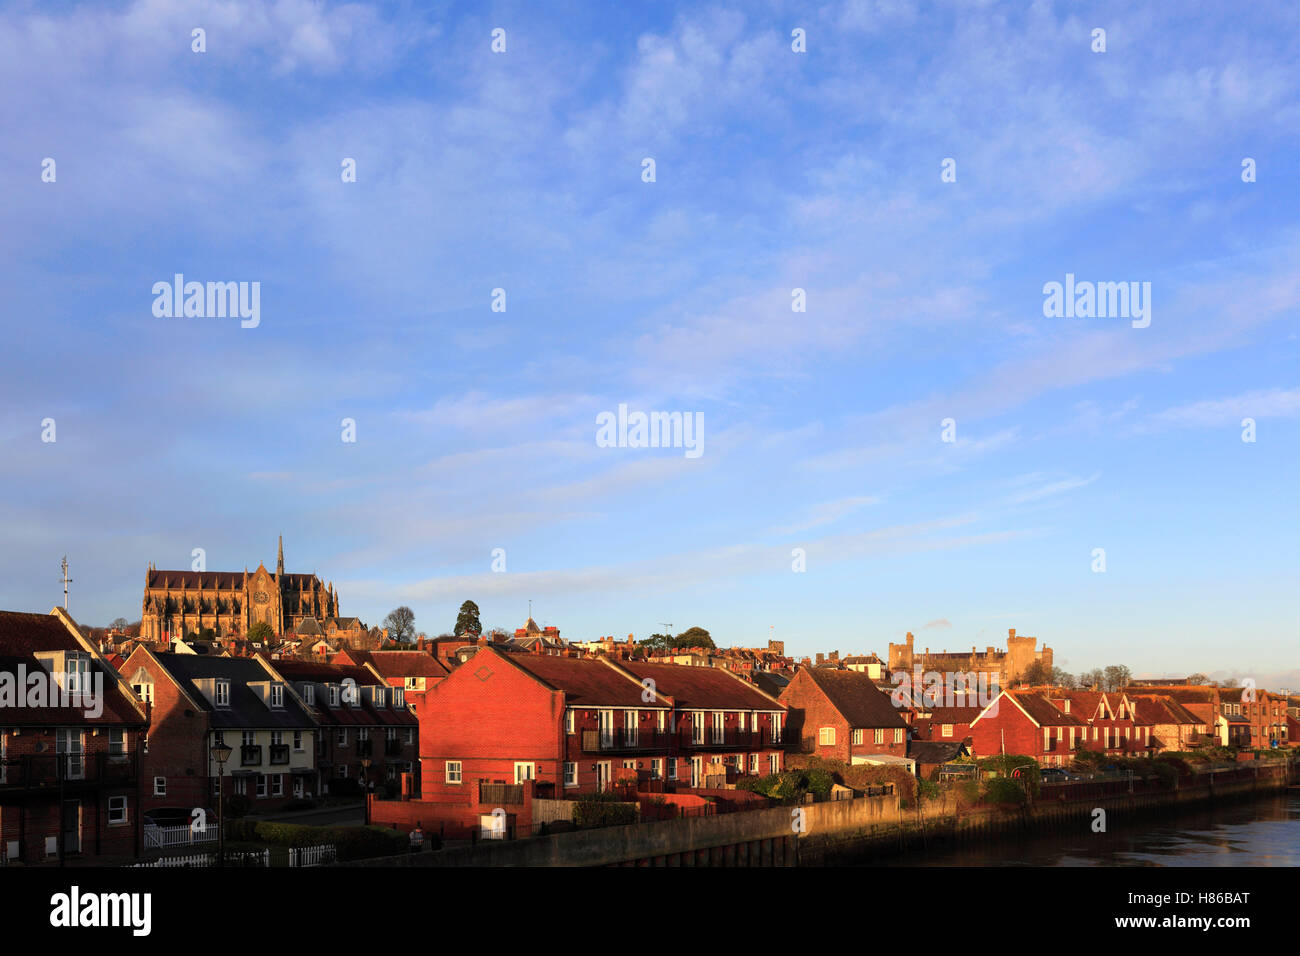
(198, 701)
(368, 736)
(69, 773)
(506, 728)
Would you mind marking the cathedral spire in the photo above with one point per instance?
(279, 560)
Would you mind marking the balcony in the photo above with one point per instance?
(625, 741)
(279, 753)
(724, 740)
(39, 771)
(250, 755)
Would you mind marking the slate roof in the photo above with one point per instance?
(935, 751)
(857, 698)
(246, 709)
(362, 713)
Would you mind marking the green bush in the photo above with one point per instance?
(602, 813)
(353, 843)
(1004, 790)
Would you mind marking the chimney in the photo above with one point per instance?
(1011, 633)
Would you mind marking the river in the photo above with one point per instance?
(1263, 832)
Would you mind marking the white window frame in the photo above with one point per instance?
(879, 735)
(452, 771)
(122, 810)
(570, 774)
(160, 786)
(945, 730)
(277, 696)
(221, 695)
(857, 735)
(525, 770)
(826, 737)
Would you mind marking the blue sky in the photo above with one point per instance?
(774, 170)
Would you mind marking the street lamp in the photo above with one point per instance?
(365, 778)
(221, 753)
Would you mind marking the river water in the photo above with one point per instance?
(1264, 832)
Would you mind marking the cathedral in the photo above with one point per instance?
(182, 603)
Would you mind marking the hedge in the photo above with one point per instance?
(353, 843)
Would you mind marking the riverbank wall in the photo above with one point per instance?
(848, 831)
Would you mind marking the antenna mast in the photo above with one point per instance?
(66, 581)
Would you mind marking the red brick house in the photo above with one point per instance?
(1026, 723)
(198, 700)
(368, 735)
(946, 723)
(842, 715)
(506, 727)
(415, 672)
(83, 751)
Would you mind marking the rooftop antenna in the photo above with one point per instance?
(66, 581)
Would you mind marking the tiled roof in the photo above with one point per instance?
(585, 682)
(857, 698)
(701, 687)
(21, 637)
(1042, 711)
(402, 663)
(954, 715)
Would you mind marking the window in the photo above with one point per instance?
(277, 785)
(78, 673)
(570, 774)
(261, 785)
(250, 738)
(309, 694)
(753, 763)
(525, 771)
(741, 725)
(399, 697)
(409, 734)
(947, 730)
(826, 737)
(412, 683)
(776, 728)
(656, 768)
(223, 693)
(343, 770)
(277, 695)
(297, 741)
(898, 735)
(719, 725)
(879, 735)
(277, 738)
(116, 810)
(363, 733)
(160, 786)
(334, 695)
(453, 771)
(390, 734)
(241, 786)
(343, 737)
(381, 697)
(857, 736)
(569, 724)
(116, 742)
(662, 719)
(144, 692)
(672, 769)
(774, 763)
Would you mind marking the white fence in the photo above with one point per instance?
(162, 838)
(257, 858)
(312, 855)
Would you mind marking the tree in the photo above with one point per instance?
(1093, 679)
(119, 623)
(260, 632)
(467, 621)
(1036, 673)
(400, 623)
(694, 637)
(1117, 676)
(1063, 678)
(656, 642)
(1197, 679)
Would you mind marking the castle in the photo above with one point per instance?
(1007, 666)
(181, 603)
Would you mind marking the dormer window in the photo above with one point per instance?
(334, 695)
(78, 672)
(380, 697)
(399, 697)
(309, 694)
(223, 693)
(277, 695)
(1067, 706)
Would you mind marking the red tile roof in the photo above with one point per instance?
(586, 682)
(708, 688)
